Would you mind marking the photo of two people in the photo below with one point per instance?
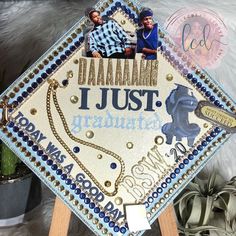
(107, 39)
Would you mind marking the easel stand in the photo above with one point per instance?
(62, 214)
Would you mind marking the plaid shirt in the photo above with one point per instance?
(108, 38)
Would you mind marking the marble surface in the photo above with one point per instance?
(29, 28)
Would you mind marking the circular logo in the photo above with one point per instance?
(200, 33)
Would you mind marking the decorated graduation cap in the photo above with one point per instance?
(99, 132)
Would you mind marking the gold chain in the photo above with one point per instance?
(52, 90)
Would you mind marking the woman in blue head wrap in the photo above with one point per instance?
(147, 35)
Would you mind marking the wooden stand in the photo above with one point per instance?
(62, 214)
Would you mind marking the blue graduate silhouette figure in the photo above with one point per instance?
(178, 104)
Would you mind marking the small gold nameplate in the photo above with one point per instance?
(221, 117)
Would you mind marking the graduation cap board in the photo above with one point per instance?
(104, 134)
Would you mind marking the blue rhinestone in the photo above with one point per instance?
(132, 16)
(164, 185)
(58, 62)
(15, 103)
(63, 176)
(189, 76)
(86, 200)
(58, 171)
(77, 191)
(24, 94)
(116, 228)
(44, 75)
(11, 124)
(208, 138)
(29, 89)
(49, 71)
(67, 52)
(34, 85)
(68, 181)
(101, 214)
(177, 170)
(76, 149)
(123, 230)
(159, 190)
(194, 80)
(213, 134)
(77, 44)
(20, 99)
(212, 98)
(127, 11)
(49, 162)
(217, 102)
(109, 13)
(40, 152)
(44, 157)
(195, 152)
(186, 161)
(39, 80)
(82, 196)
(199, 84)
(91, 205)
(190, 157)
(73, 186)
(118, 4)
(217, 129)
(123, 7)
(106, 219)
(20, 133)
(113, 9)
(81, 39)
(204, 143)
(96, 209)
(53, 66)
(168, 180)
(65, 82)
(203, 89)
(199, 147)
(208, 93)
(54, 167)
(158, 103)
(181, 165)
(35, 148)
(30, 143)
(113, 165)
(111, 224)
(72, 48)
(63, 57)
(172, 175)
(155, 194)
(221, 106)
(146, 204)
(150, 199)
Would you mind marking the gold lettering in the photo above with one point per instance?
(126, 77)
(154, 73)
(100, 78)
(109, 79)
(82, 71)
(91, 77)
(118, 79)
(135, 80)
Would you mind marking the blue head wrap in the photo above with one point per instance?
(144, 13)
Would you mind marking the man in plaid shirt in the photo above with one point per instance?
(107, 39)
